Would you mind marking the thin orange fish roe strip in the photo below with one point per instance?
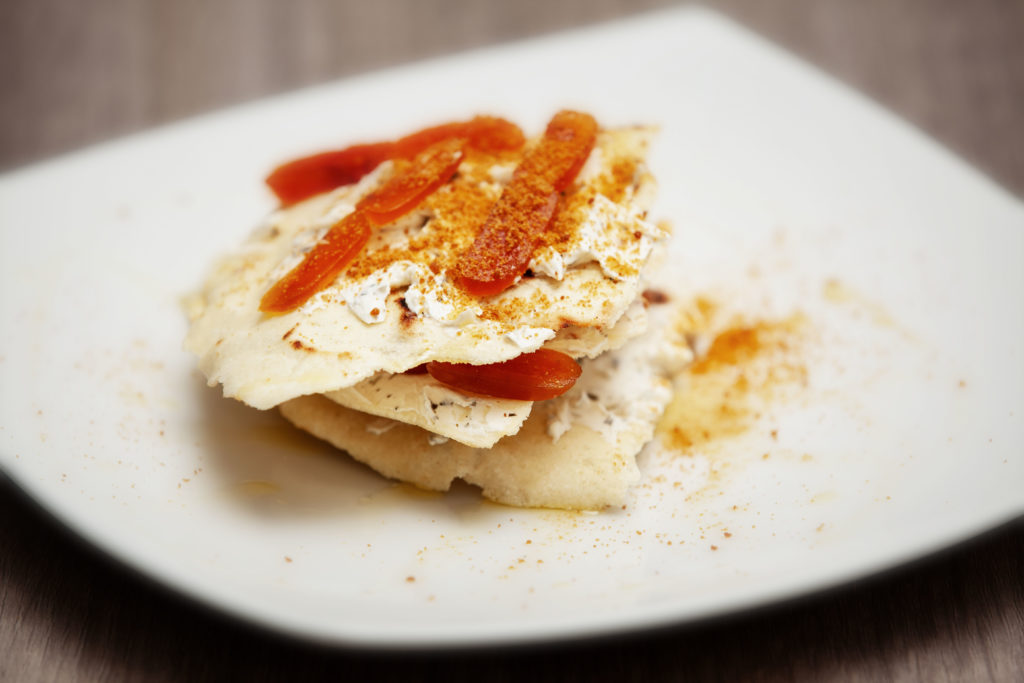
(346, 239)
(309, 176)
(484, 133)
(535, 376)
(322, 264)
(303, 178)
(506, 241)
(405, 190)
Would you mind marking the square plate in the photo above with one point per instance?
(788, 193)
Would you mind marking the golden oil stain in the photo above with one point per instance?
(825, 497)
(257, 488)
(399, 492)
(258, 495)
(837, 292)
(725, 390)
(283, 436)
(696, 317)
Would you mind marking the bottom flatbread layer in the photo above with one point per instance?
(576, 452)
(579, 471)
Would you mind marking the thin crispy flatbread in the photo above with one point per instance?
(416, 313)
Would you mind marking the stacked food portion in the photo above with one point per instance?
(459, 303)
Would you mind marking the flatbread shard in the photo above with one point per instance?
(477, 421)
(423, 401)
(577, 451)
(396, 306)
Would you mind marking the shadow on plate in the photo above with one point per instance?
(268, 467)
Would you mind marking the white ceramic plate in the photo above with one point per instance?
(907, 438)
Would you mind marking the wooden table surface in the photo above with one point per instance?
(73, 73)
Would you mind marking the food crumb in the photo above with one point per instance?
(410, 579)
(654, 296)
(714, 547)
(287, 559)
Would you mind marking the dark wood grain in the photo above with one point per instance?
(72, 73)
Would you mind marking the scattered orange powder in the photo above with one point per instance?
(724, 390)
(462, 206)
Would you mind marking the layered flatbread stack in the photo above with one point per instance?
(404, 360)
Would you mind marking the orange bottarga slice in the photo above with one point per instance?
(309, 176)
(505, 243)
(303, 178)
(567, 142)
(322, 264)
(484, 133)
(535, 376)
(406, 189)
(345, 240)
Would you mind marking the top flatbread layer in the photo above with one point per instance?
(396, 307)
